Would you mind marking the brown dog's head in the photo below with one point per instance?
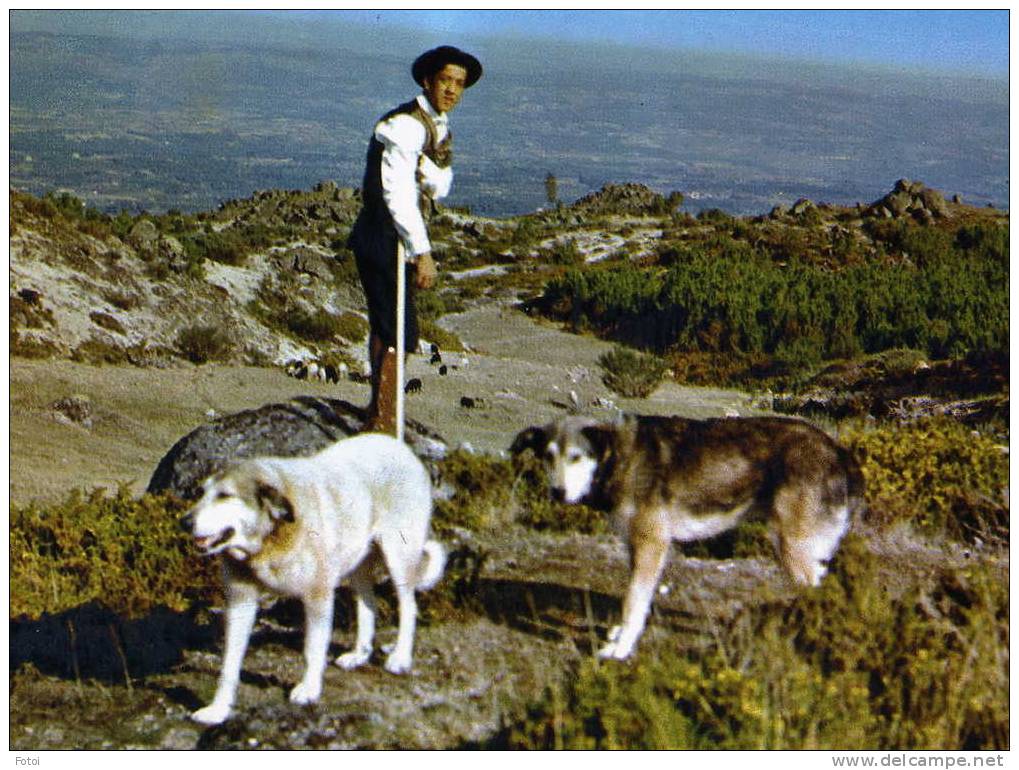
(238, 509)
(572, 450)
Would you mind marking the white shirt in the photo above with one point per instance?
(404, 168)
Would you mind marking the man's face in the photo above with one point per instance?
(446, 86)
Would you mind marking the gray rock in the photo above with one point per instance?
(171, 251)
(802, 206)
(180, 738)
(912, 198)
(74, 409)
(934, 202)
(308, 262)
(899, 202)
(295, 428)
(144, 233)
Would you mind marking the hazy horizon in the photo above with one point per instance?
(168, 109)
(962, 43)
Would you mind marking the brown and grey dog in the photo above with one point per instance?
(670, 478)
(297, 526)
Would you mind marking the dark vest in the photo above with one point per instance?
(440, 153)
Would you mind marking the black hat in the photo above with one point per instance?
(430, 62)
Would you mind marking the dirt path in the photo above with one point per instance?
(517, 371)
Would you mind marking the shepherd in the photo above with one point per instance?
(409, 168)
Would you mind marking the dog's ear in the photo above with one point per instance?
(535, 439)
(601, 438)
(274, 502)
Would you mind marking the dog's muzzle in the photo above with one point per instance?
(212, 543)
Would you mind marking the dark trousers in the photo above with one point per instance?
(375, 247)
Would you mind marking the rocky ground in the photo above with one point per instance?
(79, 425)
(537, 604)
(98, 394)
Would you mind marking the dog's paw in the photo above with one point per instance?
(348, 661)
(212, 714)
(398, 664)
(615, 651)
(306, 693)
(614, 633)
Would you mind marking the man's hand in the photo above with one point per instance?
(426, 273)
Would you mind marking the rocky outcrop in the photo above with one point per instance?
(627, 199)
(327, 205)
(911, 199)
(295, 428)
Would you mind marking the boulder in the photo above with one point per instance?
(76, 410)
(899, 203)
(296, 428)
(802, 206)
(307, 261)
(934, 202)
(912, 199)
(143, 234)
(623, 199)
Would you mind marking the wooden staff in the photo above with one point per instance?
(401, 341)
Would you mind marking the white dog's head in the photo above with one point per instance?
(572, 450)
(238, 509)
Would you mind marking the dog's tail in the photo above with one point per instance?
(432, 564)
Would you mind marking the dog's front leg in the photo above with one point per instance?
(242, 607)
(647, 562)
(318, 619)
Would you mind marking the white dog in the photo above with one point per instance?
(297, 526)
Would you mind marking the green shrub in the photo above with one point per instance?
(317, 326)
(28, 347)
(566, 254)
(216, 246)
(107, 321)
(351, 326)
(432, 304)
(848, 666)
(525, 235)
(446, 340)
(725, 296)
(714, 216)
(201, 344)
(99, 351)
(344, 267)
(491, 493)
(631, 374)
(122, 300)
(130, 555)
(937, 474)
(30, 315)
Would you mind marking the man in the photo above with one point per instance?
(408, 169)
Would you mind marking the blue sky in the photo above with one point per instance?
(957, 41)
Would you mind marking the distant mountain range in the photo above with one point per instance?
(187, 110)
